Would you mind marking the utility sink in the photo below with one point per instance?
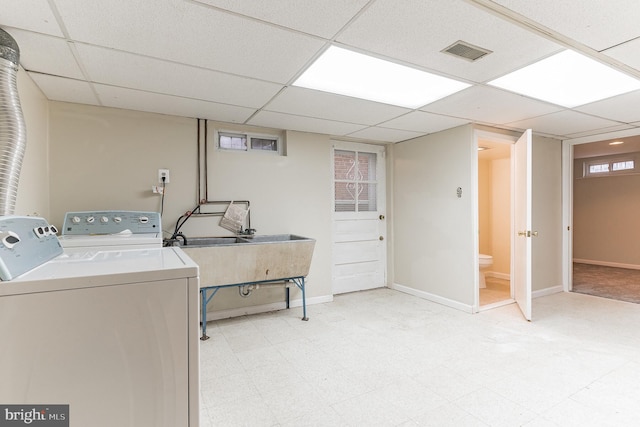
(246, 259)
(211, 241)
(272, 238)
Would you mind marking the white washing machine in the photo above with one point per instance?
(113, 229)
(111, 333)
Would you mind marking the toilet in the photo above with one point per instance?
(485, 262)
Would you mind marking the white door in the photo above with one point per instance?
(359, 225)
(522, 245)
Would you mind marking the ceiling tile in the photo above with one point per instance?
(46, 54)
(384, 134)
(32, 15)
(303, 124)
(192, 34)
(593, 23)
(117, 97)
(420, 121)
(63, 89)
(490, 105)
(628, 53)
(416, 31)
(324, 105)
(617, 108)
(323, 18)
(563, 123)
(600, 131)
(153, 75)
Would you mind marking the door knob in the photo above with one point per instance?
(522, 233)
(381, 238)
(381, 217)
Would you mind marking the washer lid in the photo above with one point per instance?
(80, 268)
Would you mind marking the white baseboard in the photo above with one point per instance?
(434, 298)
(265, 308)
(607, 263)
(505, 276)
(547, 291)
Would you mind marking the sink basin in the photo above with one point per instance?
(244, 259)
(211, 241)
(271, 238)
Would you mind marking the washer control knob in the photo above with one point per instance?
(53, 229)
(9, 239)
(75, 220)
(144, 219)
(91, 219)
(117, 220)
(104, 219)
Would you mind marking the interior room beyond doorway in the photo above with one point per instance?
(494, 222)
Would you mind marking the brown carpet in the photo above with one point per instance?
(607, 282)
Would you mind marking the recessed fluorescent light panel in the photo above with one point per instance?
(568, 79)
(349, 73)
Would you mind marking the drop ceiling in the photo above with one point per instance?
(235, 61)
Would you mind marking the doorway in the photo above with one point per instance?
(359, 222)
(495, 215)
(602, 237)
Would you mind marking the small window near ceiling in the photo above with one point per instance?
(264, 144)
(624, 166)
(248, 142)
(617, 165)
(599, 168)
(232, 141)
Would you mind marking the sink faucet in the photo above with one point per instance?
(248, 232)
(174, 241)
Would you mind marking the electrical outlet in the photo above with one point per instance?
(163, 173)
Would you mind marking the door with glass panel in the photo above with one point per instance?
(359, 224)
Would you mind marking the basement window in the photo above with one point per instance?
(233, 141)
(609, 167)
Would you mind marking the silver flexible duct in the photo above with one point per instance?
(13, 133)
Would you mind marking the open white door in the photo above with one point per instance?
(522, 244)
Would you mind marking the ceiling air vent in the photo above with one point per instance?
(466, 51)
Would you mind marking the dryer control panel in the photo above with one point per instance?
(110, 222)
(25, 243)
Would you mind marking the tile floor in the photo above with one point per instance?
(384, 358)
(496, 290)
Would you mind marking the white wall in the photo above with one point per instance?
(104, 158)
(485, 224)
(433, 229)
(501, 216)
(33, 189)
(494, 213)
(605, 218)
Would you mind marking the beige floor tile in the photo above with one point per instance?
(382, 357)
